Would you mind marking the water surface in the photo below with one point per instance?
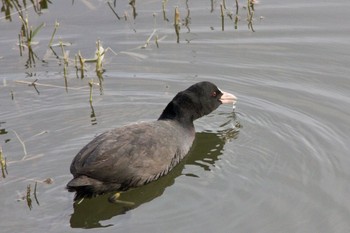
(279, 163)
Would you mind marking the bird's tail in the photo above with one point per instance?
(85, 187)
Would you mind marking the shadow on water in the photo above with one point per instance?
(207, 148)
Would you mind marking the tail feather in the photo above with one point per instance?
(86, 187)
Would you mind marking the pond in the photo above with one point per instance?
(278, 162)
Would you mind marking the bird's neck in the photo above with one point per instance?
(174, 112)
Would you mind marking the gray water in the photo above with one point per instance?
(278, 163)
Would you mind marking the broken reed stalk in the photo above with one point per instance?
(188, 17)
(33, 84)
(91, 82)
(28, 198)
(99, 57)
(54, 32)
(156, 41)
(76, 65)
(250, 6)
(25, 28)
(82, 62)
(35, 196)
(132, 3)
(3, 164)
(23, 145)
(222, 17)
(65, 65)
(100, 81)
(224, 4)
(20, 44)
(252, 3)
(164, 2)
(177, 23)
(115, 13)
(236, 16)
(148, 40)
(92, 115)
(125, 16)
(27, 31)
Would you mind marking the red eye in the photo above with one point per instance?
(213, 94)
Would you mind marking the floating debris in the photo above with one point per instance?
(48, 181)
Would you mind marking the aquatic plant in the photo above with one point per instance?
(8, 5)
(65, 64)
(250, 7)
(22, 143)
(165, 18)
(132, 3)
(3, 164)
(28, 196)
(225, 11)
(149, 38)
(152, 34)
(177, 24)
(81, 60)
(26, 38)
(236, 15)
(54, 32)
(92, 115)
(222, 17)
(187, 20)
(33, 84)
(91, 82)
(114, 12)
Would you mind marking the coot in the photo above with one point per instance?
(139, 153)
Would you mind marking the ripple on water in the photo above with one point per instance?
(287, 155)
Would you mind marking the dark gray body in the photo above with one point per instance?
(130, 156)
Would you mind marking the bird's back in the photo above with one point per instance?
(133, 155)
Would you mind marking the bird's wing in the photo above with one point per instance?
(128, 155)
